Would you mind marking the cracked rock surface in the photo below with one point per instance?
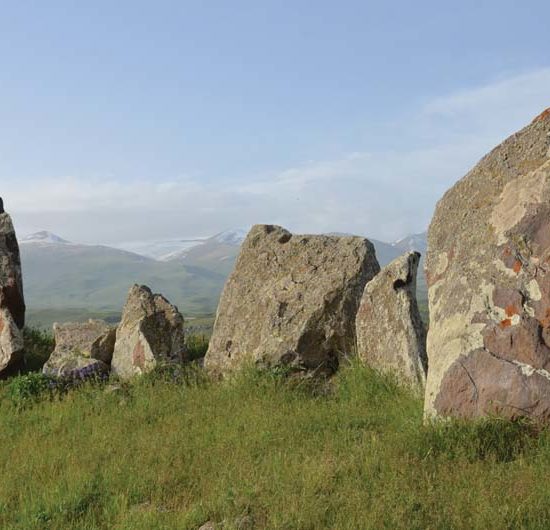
(391, 336)
(12, 303)
(291, 300)
(488, 269)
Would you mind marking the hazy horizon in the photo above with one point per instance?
(142, 121)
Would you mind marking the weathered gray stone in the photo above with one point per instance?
(78, 346)
(150, 332)
(291, 300)
(488, 270)
(12, 303)
(11, 341)
(74, 366)
(391, 336)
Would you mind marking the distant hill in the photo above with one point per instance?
(71, 280)
(63, 275)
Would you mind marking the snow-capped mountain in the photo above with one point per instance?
(44, 238)
(416, 242)
(161, 250)
(231, 237)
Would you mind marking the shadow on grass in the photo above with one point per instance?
(493, 439)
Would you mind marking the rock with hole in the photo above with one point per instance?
(391, 336)
(291, 300)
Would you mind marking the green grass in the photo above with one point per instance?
(278, 452)
(44, 318)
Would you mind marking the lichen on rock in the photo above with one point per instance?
(489, 336)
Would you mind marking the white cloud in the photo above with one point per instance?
(498, 108)
(384, 194)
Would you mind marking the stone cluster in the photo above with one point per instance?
(305, 302)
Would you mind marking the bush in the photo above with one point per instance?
(39, 345)
(197, 346)
(28, 388)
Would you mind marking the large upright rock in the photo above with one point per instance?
(291, 299)
(488, 272)
(12, 303)
(150, 332)
(81, 349)
(391, 336)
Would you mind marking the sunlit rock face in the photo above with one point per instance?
(12, 302)
(291, 300)
(391, 336)
(150, 333)
(488, 269)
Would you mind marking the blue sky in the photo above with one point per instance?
(176, 118)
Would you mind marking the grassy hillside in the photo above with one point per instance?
(97, 279)
(261, 451)
(212, 255)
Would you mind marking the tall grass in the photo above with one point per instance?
(262, 450)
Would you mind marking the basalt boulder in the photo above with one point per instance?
(81, 349)
(12, 303)
(488, 269)
(391, 336)
(291, 300)
(150, 333)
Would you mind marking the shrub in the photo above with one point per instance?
(197, 346)
(39, 345)
(28, 388)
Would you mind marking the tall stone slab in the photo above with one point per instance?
(150, 333)
(12, 303)
(291, 300)
(391, 336)
(488, 269)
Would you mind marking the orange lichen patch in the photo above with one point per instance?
(543, 116)
(506, 323)
(511, 310)
(517, 266)
(138, 356)
(545, 321)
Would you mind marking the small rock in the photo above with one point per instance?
(150, 332)
(81, 349)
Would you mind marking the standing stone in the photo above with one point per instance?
(488, 270)
(391, 336)
(81, 349)
(291, 300)
(12, 303)
(150, 333)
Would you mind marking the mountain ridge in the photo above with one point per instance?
(60, 274)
